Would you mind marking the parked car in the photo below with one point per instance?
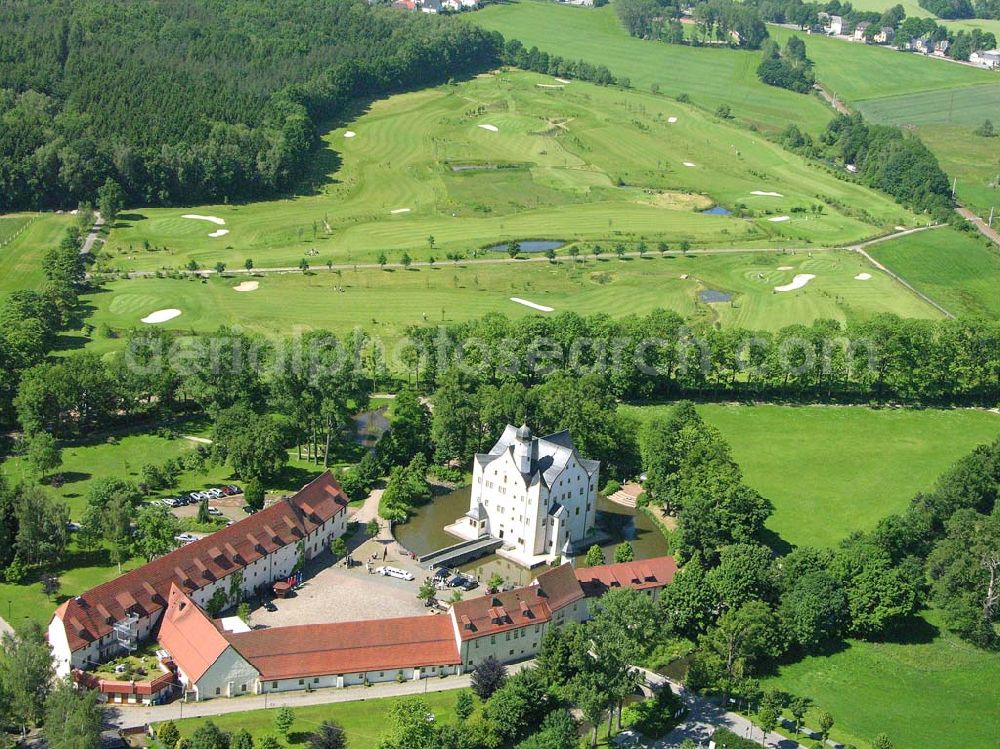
(457, 581)
(469, 584)
(73, 527)
(214, 493)
(235, 488)
(227, 490)
(249, 510)
(185, 538)
(442, 573)
(269, 606)
(214, 511)
(170, 501)
(395, 572)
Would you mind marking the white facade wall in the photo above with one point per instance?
(229, 676)
(354, 678)
(519, 515)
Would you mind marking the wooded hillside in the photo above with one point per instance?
(194, 101)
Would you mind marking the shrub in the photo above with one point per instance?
(610, 487)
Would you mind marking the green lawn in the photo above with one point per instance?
(24, 238)
(961, 271)
(855, 71)
(709, 76)
(385, 302)
(969, 105)
(833, 470)
(364, 722)
(580, 162)
(932, 691)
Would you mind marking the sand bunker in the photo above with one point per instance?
(766, 194)
(562, 80)
(863, 277)
(247, 286)
(671, 120)
(688, 163)
(491, 128)
(161, 315)
(800, 280)
(219, 233)
(785, 267)
(213, 219)
(550, 85)
(526, 303)
(400, 210)
(349, 134)
(778, 219)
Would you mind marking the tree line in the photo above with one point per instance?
(952, 9)
(717, 21)
(196, 101)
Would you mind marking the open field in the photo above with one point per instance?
(961, 271)
(856, 71)
(21, 259)
(574, 163)
(932, 689)
(912, 8)
(384, 302)
(710, 76)
(945, 120)
(833, 470)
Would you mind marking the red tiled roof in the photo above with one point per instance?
(491, 614)
(640, 575)
(195, 565)
(348, 647)
(186, 632)
(559, 586)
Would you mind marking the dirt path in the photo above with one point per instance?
(980, 224)
(832, 100)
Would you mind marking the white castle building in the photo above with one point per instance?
(535, 494)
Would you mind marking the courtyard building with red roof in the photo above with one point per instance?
(240, 560)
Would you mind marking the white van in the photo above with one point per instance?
(395, 572)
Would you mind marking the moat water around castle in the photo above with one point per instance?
(425, 532)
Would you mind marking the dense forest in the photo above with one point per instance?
(195, 100)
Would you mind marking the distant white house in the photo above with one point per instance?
(535, 494)
(835, 25)
(989, 58)
(860, 30)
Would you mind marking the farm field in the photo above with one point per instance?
(710, 76)
(961, 271)
(517, 156)
(855, 71)
(385, 302)
(945, 120)
(21, 255)
(930, 689)
(912, 8)
(832, 470)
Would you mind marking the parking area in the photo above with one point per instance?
(333, 593)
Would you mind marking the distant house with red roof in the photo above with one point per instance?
(245, 557)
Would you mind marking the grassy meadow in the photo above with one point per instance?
(385, 302)
(946, 121)
(960, 271)
(929, 689)
(24, 238)
(573, 162)
(832, 470)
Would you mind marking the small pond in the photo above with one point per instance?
(368, 426)
(531, 245)
(718, 210)
(711, 295)
(425, 532)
